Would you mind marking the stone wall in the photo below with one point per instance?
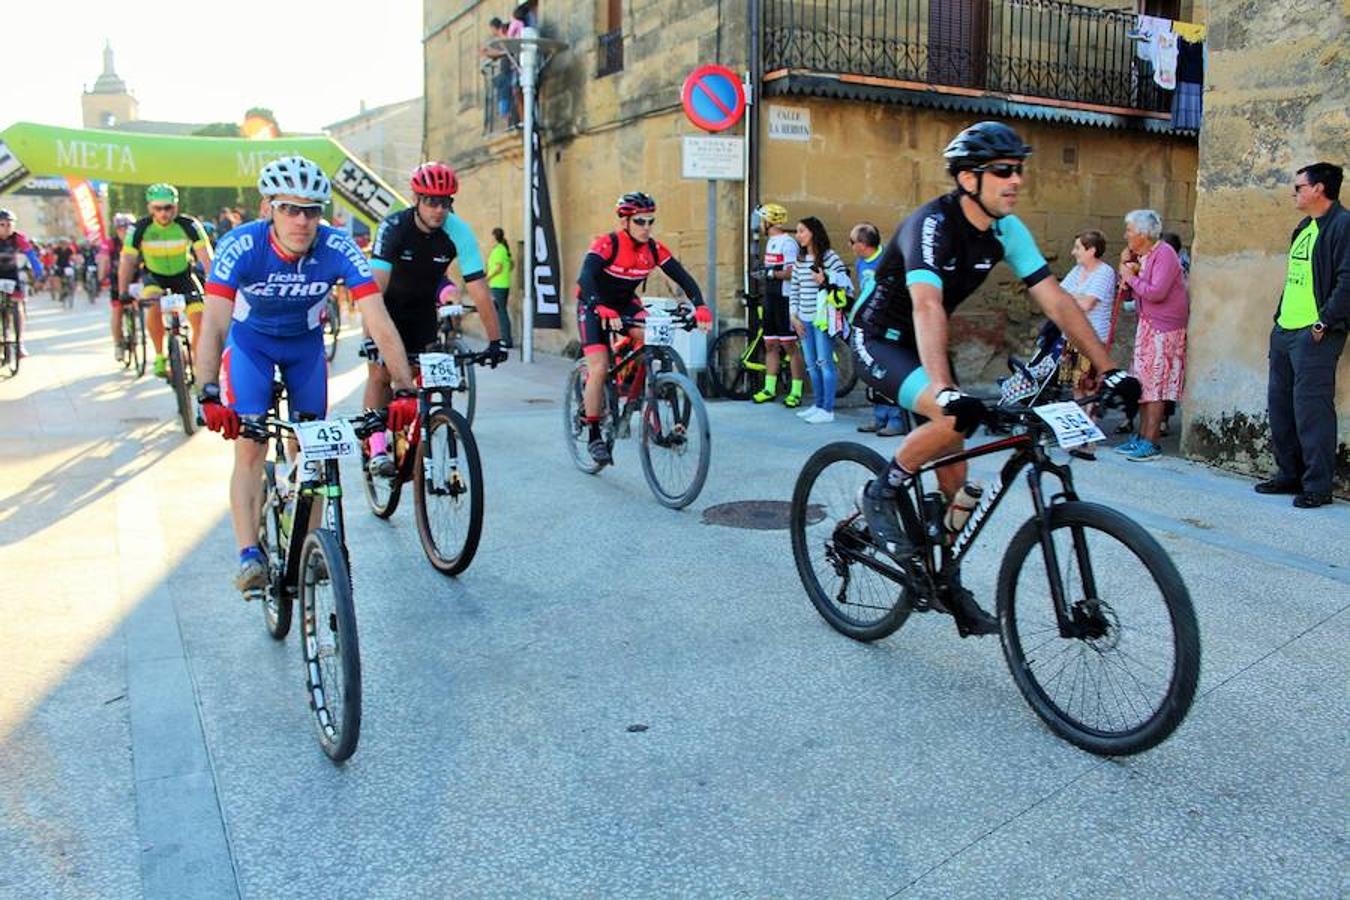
(1276, 100)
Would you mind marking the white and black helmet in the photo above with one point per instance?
(295, 176)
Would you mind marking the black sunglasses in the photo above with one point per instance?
(1002, 170)
(162, 207)
(438, 202)
(644, 222)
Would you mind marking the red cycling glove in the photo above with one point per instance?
(218, 416)
(703, 315)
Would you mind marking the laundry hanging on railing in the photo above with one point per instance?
(1187, 103)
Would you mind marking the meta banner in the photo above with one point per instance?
(129, 158)
(87, 209)
(547, 270)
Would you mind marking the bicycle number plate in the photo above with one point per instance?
(172, 303)
(449, 311)
(7, 285)
(326, 440)
(659, 331)
(1072, 426)
(439, 370)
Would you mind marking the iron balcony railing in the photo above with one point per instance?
(1039, 48)
(499, 101)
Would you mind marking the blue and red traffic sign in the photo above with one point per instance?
(713, 98)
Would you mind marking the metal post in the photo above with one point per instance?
(711, 226)
(529, 55)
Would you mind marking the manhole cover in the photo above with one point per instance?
(759, 515)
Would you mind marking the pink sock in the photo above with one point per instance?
(379, 443)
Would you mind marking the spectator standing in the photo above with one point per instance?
(1307, 341)
(818, 278)
(499, 268)
(1092, 284)
(866, 241)
(780, 256)
(1155, 279)
(502, 73)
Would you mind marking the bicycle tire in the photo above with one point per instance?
(14, 334)
(575, 433)
(323, 562)
(178, 378)
(450, 557)
(845, 365)
(332, 327)
(880, 607)
(687, 417)
(277, 605)
(1077, 519)
(382, 494)
(667, 359)
(726, 366)
(141, 340)
(4, 336)
(468, 381)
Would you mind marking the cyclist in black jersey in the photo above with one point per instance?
(935, 260)
(411, 257)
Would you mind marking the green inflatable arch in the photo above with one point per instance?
(27, 150)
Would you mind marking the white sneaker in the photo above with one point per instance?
(820, 417)
(806, 411)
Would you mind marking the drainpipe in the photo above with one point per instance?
(752, 93)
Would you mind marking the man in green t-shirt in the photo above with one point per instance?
(499, 281)
(1306, 343)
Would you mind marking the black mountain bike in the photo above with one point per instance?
(9, 325)
(439, 455)
(450, 340)
(1096, 623)
(311, 565)
(736, 361)
(648, 379)
(173, 307)
(134, 341)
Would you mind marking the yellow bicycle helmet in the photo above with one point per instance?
(773, 214)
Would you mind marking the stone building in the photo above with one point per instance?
(110, 102)
(1277, 100)
(883, 86)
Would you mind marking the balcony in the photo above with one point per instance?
(499, 105)
(1031, 51)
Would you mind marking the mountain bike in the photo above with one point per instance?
(332, 325)
(1096, 623)
(9, 326)
(310, 565)
(68, 287)
(439, 455)
(90, 283)
(736, 362)
(134, 348)
(646, 378)
(450, 340)
(173, 307)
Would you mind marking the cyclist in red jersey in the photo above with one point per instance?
(15, 253)
(614, 270)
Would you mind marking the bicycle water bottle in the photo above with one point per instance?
(963, 504)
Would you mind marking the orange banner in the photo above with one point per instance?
(87, 209)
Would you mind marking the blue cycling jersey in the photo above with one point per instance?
(280, 294)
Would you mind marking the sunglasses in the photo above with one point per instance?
(291, 210)
(163, 207)
(644, 221)
(1299, 187)
(438, 202)
(1002, 170)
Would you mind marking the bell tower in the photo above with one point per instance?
(109, 103)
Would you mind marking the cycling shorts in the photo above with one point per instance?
(592, 334)
(777, 322)
(184, 283)
(250, 360)
(892, 369)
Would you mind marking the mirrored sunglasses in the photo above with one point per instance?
(291, 210)
(644, 221)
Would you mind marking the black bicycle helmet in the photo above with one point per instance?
(981, 143)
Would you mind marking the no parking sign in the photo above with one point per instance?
(713, 98)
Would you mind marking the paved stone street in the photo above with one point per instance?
(154, 741)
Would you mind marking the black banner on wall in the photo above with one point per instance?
(547, 265)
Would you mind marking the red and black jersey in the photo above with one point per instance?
(616, 266)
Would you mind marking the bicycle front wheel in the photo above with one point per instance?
(843, 573)
(1124, 680)
(676, 444)
(844, 364)
(727, 366)
(449, 496)
(329, 645)
(11, 337)
(179, 377)
(468, 382)
(276, 602)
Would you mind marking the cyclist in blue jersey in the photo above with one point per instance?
(267, 289)
(935, 260)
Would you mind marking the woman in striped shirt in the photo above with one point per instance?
(819, 273)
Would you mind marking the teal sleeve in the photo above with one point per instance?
(923, 276)
(466, 247)
(1020, 251)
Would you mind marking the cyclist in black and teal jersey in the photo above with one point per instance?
(937, 258)
(165, 242)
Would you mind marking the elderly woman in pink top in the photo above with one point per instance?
(1152, 271)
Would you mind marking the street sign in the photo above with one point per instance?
(713, 98)
(713, 158)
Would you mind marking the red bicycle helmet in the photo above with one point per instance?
(633, 203)
(434, 179)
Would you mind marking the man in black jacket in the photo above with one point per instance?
(1311, 321)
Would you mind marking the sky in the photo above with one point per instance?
(310, 63)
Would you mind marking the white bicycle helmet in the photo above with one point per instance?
(296, 176)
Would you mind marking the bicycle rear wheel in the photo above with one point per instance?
(276, 602)
(676, 442)
(449, 498)
(179, 378)
(840, 569)
(329, 644)
(331, 327)
(726, 365)
(844, 364)
(11, 336)
(1126, 680)
(575, 432)
(468, 382)
(382, 492)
